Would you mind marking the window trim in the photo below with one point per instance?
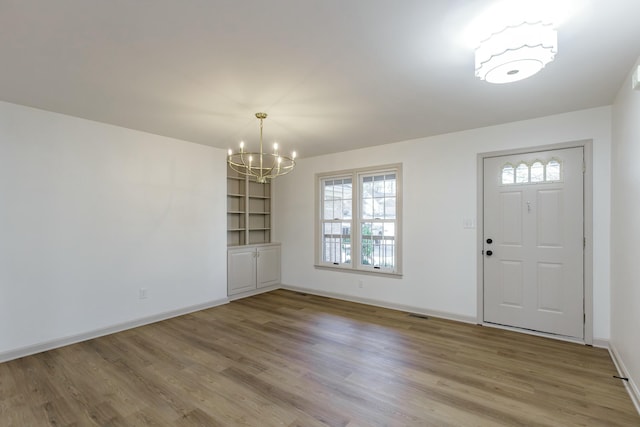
(354, 266)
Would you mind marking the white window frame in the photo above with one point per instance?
(357, 219)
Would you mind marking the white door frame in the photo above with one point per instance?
(587, 145)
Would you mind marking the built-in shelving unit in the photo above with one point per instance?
(253, 261)
(248, 210)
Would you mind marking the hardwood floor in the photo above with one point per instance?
(287, 359)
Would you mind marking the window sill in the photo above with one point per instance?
(394, 275)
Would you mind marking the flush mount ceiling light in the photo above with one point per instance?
(260, 165)
(516, 52)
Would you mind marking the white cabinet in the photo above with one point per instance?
(268, 266)
(252, 267)
(241, 270)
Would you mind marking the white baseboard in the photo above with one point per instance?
(535, 333)
(254, 292)
(384, 304)
(61, 342)
(600, 343)
(631, 386)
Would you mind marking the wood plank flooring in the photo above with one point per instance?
(288, 359)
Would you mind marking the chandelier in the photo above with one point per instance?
(261, 166)
(516, 52)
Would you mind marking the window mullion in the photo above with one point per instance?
(355, 221)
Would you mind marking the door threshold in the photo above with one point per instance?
(536, 333)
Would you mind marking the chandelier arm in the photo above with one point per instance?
(282, 170)
(244, 163)
(273, 165)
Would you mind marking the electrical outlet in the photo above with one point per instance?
(360, 284)
(143, 293)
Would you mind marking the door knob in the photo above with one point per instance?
(489, 253)
(489, 241)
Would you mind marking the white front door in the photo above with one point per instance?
(534, 241)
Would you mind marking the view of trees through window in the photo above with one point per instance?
(377, 220)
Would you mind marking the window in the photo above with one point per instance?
(553, 171)
(359, 219)
(536, 173)
(522, 173)
(336, 220)
(508, 174)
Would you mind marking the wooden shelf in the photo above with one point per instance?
(248, 211)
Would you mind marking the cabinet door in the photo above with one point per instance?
(241, 270)
(268, 266)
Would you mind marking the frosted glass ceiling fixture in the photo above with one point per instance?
(515, 39)
(516, 52)
(261, 166)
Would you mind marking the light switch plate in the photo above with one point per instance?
(468, 223)
(635, 80)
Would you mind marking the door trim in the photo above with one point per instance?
(587, 146)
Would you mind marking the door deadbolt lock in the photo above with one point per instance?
(489, 253)
(489, 241)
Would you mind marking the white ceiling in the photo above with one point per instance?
(332, 74)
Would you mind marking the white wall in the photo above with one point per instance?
(440, 186)
(625, 233)
(90, 213)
